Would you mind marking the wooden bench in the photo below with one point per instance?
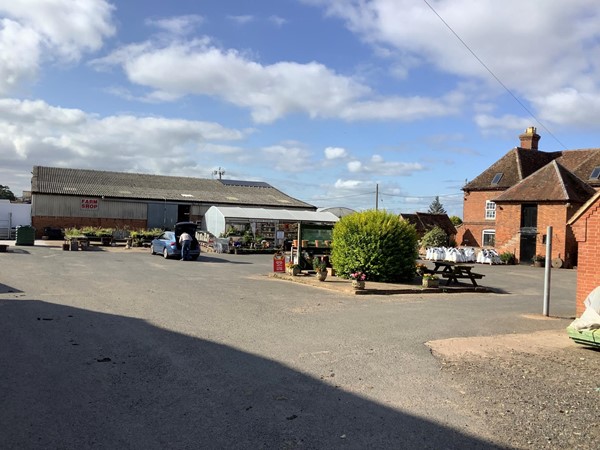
(461, 272)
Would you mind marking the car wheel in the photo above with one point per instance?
(152, 252)
(165, 253)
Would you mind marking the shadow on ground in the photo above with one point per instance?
(74, 378)
(4, 289)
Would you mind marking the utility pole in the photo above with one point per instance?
(377, 197)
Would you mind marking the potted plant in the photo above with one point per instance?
(293, 269)
(320, 267)
(538, 260)
(421, 269)
(507, 258)
(358, 279)
(430, 280)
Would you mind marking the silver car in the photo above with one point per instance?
(167, 244)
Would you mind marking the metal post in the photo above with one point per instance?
(299, 246)
(548, 266)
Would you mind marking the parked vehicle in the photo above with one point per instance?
(167, 244)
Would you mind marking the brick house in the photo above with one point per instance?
(510, 205)
(585, 224)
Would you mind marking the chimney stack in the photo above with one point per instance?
(530, 139)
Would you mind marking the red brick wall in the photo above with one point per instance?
(508, 219)
(587, 231)
(40, 222)
(508, 224)
(474, 221)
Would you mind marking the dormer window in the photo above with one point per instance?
(595, 174)
(497, 178)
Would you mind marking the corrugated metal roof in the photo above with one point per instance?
(81, 182)
(283, 215)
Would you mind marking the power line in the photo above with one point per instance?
(495, 77)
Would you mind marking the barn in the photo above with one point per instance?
(63, 198)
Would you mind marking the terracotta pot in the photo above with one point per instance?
(322, 275)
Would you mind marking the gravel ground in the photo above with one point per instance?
(540, 400)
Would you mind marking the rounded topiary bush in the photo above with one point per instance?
(377, 243)
(436, 237)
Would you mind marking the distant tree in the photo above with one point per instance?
(5, 193)
(436, 207)
(436, 237)
(456, 221)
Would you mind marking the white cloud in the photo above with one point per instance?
(179, 25)
(335, 153)
(279, 21)
(36, 31)
(545, 53)
(354, 166)
(271, 92)
(35, 133)
(20, 50)
(352, 184)
(242, 20)
(377, 165)
(287, 157)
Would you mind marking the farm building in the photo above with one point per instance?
(62, 198)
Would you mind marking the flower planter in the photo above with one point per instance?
(358, 284)
(322, 275)
(431, 283)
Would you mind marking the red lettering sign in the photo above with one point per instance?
(89, 203)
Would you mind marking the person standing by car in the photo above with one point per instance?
(186, 242)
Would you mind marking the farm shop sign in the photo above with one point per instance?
(89, 203)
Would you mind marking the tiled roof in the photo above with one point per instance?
(553, 182)
(424, 222)
(515, 166)
(54, 180)
(519, 163)
(582, 163)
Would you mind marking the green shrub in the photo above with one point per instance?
(507, 258)
(376, 243)
(436, 237)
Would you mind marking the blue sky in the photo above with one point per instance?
(323, 99)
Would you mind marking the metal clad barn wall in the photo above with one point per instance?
(67, 206)
(162, 215)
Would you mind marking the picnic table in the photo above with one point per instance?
(441, 267)
(453, 272)
(461, 272)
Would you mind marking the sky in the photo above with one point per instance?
(330, 101)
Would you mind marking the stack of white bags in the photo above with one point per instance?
(465, 254)
(462, 255)
(489, 257)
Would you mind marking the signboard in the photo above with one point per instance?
(89, 203)
(278, 262)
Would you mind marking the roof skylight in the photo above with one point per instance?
(497, 178)
(595, 174)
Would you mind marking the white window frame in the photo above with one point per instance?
(485, 233)
(490, 210)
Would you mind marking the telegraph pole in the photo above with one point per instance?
(377, 197)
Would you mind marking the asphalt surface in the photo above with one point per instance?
(121, 349)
